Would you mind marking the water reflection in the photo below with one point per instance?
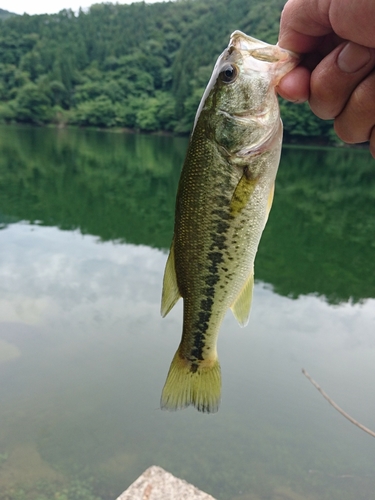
(321, 234)
(319, 238)
(84, 352)
(118, 187)
(94, 353)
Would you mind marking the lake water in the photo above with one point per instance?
(86, 219)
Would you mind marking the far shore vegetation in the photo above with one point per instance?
(140, 67)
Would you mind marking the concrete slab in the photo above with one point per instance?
(157, 484)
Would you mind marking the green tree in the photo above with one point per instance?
(98, 112)
(32, 105)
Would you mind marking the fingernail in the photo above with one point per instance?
(353, 57)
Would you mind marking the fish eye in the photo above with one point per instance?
(229, 74)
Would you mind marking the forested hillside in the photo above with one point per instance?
(141, 66)
(4, 14)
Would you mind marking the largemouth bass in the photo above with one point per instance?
(223, 200)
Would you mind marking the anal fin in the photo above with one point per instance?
(241, 306)
(171, 293)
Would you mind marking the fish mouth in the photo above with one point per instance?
(261, 56)
(260, 50)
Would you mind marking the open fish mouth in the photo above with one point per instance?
(260, 50)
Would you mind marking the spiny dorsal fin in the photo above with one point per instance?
(170, 294)
(241, 306)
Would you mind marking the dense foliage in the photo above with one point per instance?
(140, 66)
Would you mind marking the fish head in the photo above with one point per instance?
(240, 104)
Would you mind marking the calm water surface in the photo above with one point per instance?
(86, 219)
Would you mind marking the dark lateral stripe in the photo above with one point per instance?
(218, 241)
(215, 257)
(222, 213)
(222, 227)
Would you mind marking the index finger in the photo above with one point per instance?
(303, 25)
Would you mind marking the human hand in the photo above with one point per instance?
(337, 74)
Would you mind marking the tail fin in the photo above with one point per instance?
(197, 384)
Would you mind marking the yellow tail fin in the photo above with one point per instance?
(188, 383)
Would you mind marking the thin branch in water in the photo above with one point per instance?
(340, 410)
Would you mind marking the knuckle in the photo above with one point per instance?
(326, 98)
(323, 108)
(344, 130)
(372, 142)
(357, 119)
(362, 98)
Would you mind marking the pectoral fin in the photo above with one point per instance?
(170, 294)
(242, 193)
(241, 306)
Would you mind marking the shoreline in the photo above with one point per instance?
(287, 142)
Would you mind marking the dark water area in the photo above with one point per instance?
(86, 219)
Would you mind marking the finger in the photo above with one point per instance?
(302, 24)
(295, 86)
(336, 76)
(353, 20)
(357, 120)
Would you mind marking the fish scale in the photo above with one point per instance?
(224, 196)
